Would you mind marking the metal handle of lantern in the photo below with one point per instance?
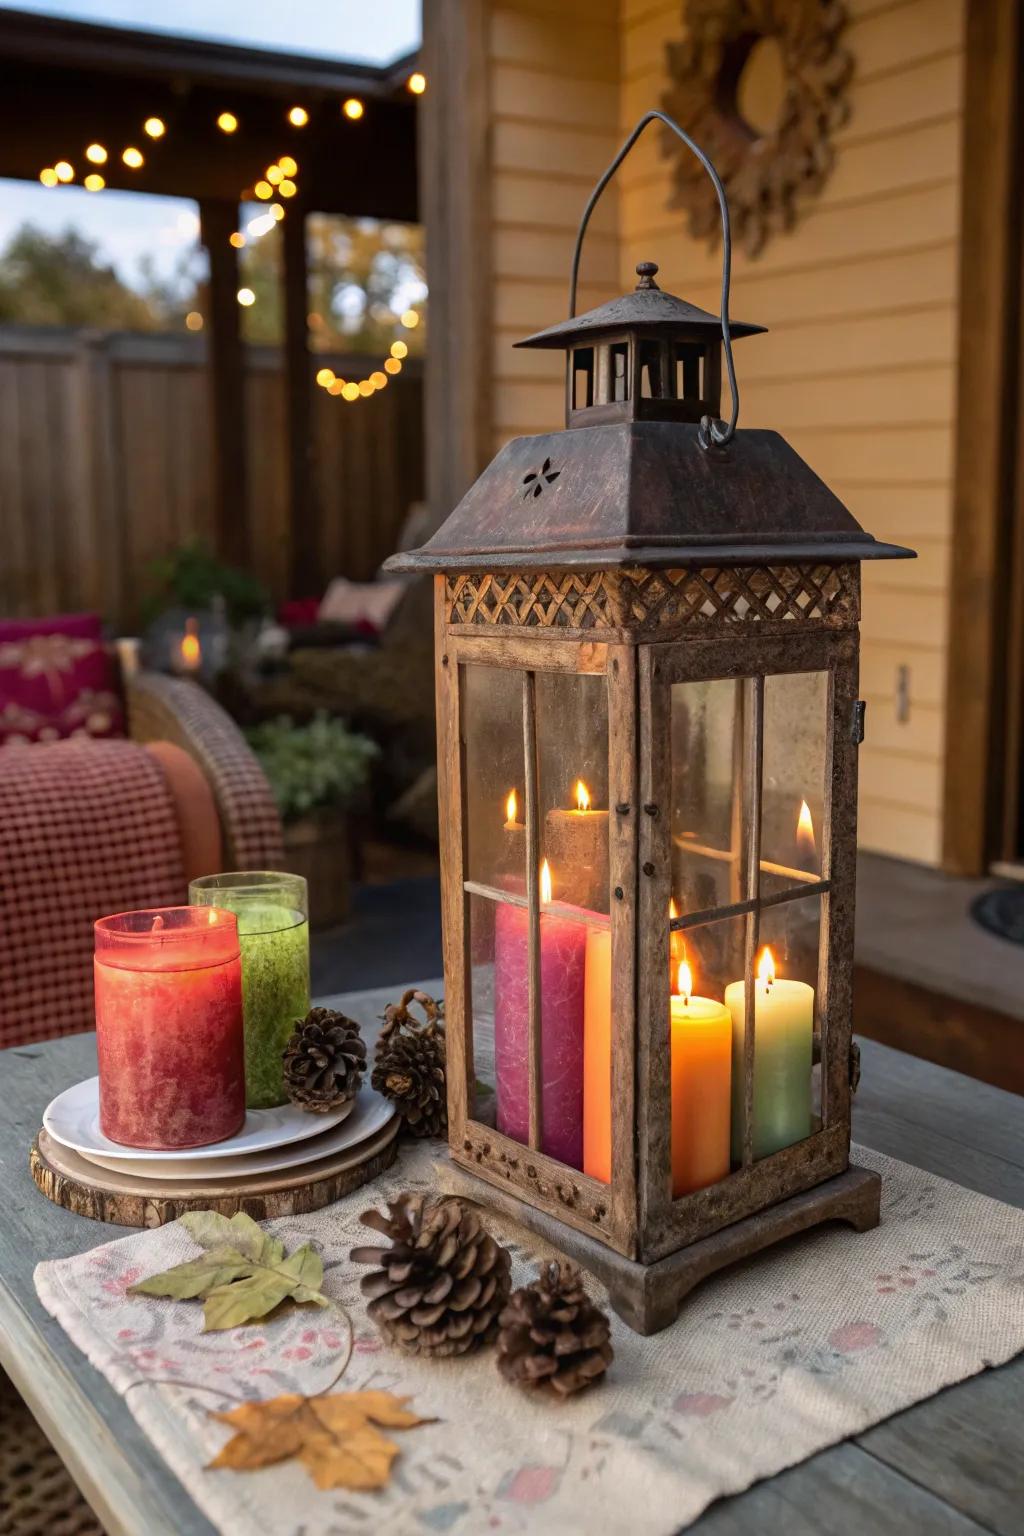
(710, 431)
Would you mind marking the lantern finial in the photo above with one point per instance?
(646, 271)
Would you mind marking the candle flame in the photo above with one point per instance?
(805, 829)
(511, 806)
(190, 649)
(582, 796)
(545, 882)
(766, 967)
(673, 910)
(684, 981)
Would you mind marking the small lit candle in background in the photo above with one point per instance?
(169, 1027)
(576, 842)
(701, 1086)
(563, 944)
(190, 653)
(513, 860)
(783, 1037)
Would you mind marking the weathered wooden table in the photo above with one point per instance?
(951, 1466)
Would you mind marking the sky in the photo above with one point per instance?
(340, 29)
(127, 225)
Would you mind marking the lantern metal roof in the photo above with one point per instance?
(647, 306)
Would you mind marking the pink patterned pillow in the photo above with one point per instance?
(57, 679)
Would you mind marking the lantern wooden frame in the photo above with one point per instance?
(647, 549)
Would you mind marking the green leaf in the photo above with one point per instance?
(242, 1276)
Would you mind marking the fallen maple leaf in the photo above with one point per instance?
(337, 1438)
(243, 1274)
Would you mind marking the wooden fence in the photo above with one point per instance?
(105, 463)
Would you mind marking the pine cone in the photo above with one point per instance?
(552, 1335)
(409, 1065)
(324, 1061)
(439, 1289)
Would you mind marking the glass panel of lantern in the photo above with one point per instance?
(793, 795)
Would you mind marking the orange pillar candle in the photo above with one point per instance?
(701, 1087)
(597, 1056)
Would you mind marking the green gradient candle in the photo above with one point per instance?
(273, 934)
(783, 1042)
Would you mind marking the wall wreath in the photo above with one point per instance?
(761, 85)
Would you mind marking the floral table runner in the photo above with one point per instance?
(769, 1363)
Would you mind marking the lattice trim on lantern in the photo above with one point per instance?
(638, 598)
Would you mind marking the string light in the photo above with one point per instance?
(399, 349)
(350, 392)
(237, 239)
(392, 365)
(337, 387)
(416, 83)
(155, 127)
(274, 175)
(132, 158)
(246, 297)
(227, 122)
(96, 154)
(263, 190)
(326, 377)
(289, 167)
(64, 170)
(94, 182)
(365, 388)
(378, 379)
(353, 109)
(277, 211)
(410, 319)
(287, 188)
(193, 320)
(48, 176)
(298, 117)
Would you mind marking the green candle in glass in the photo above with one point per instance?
(273, 932)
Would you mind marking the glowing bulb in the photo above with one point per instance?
(246, 297)
(416, 83)
(298, 117)
(96, 154)
(545, 883)
(337, 388)
(684, 981)
(353, 109)
(94, 182)
(365, 388)
(194, 320)
(263, 190)
(65, 170)
(237, 239)
(582, 796)
(392, 365)
(378, 379)
(287, 188)
(511, 807)
(276, 211)
(399, 349)
(350, 392)
(155, 127)
(48, 176)
(288, 165)
(325, 377)
(132, 158)
(227, 122)
(410, 319)
(766, 967)
(274, 174)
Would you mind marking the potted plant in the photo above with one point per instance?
(316, 771)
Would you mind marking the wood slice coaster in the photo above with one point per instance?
(87, 1189)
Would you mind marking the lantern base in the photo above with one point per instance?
(648, 1297)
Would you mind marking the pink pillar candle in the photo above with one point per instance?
(169, 1027)
(563, 947)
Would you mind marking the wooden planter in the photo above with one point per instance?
(319, 848)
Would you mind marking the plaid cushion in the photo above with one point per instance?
(86, 828)
(57, 679)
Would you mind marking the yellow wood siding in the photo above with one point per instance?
(859, 367)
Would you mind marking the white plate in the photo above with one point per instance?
(73, 1118)
(369, 1115)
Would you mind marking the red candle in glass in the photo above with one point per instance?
(169, 1027)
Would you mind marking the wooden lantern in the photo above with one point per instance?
(647, 660)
